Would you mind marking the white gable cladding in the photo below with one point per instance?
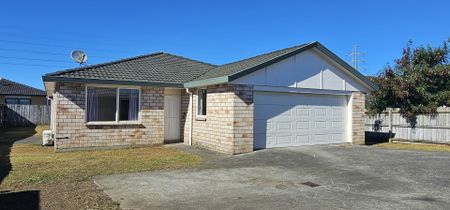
(308, 69)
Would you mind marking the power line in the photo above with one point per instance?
(33, 65)
(71, 33)
(53, 38)
(33, 59)
(46, 45)
(48, 53)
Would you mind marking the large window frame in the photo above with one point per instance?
(117, 114)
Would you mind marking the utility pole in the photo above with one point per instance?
(355, 58)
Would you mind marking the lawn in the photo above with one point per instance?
(37, 164)
(412, 146)
(66, 176)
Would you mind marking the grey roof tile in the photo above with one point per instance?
(157, 67)
(171, 70)
(8, 87)
(242, 65)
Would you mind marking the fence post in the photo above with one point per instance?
(390, 124)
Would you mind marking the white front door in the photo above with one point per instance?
(284, 119)
(172, 109)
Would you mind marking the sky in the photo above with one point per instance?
(36, 37)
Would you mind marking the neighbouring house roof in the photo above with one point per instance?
(8, 87)
(161, 69)
(170, 70)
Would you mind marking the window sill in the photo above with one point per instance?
(200, 118)
(115, 123)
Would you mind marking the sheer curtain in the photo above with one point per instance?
(92, 105)
(133, 108)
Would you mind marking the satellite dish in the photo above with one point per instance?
(79, 56)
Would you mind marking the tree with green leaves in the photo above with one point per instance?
(417, 84)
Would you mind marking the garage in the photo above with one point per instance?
(294, 119)
(304, 95)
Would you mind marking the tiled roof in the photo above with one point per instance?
(160, 67)
(8, 87)
(170, 70)
(242, 65)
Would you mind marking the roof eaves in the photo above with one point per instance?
(113, 82)
(205, 82)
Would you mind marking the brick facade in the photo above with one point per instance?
(72, 132)
(184, 117)
(228, 126)
(358, 118)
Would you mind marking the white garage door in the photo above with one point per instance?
(285, 119)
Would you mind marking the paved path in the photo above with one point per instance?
(349, 177)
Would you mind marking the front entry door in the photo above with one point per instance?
(172, 104)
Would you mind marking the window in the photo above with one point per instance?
(201, 108)
(112, 104)
(128, 104)
(22, 101)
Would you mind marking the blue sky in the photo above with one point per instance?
(36, 37)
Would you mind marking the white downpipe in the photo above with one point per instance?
(191, 105)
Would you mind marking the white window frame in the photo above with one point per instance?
(198, 104)
(116, 121)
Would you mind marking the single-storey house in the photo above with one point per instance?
(300, 95)
(16, 93)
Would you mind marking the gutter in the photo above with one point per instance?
(211, 81)
(112, 82)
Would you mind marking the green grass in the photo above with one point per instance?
(412, 146)
(64, 179)
(36, 164)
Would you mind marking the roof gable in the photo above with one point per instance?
(235, 70)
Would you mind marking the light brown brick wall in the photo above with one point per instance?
(228, 127)
(72, 132)
(358, 118)
(184, 124)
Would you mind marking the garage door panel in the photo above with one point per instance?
(285, 119)
(319, 138)
(320, 112)
(303, 139)
(283, 140)
(337, 137)
(303, 112)
(337, 112)
(339, 125)
(320, 125)
(271, 111)
(303, 126)
(284, 126)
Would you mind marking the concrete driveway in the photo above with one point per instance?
(348, 177)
